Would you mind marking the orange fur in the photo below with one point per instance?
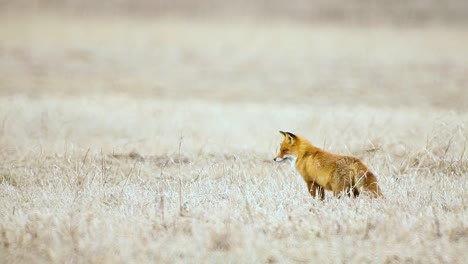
(322, 170)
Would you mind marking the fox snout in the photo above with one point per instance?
(278, 159)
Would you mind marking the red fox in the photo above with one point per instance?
(322, 170)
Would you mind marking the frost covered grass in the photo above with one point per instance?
(128, 141)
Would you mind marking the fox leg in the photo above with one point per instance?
(344, 182)
(336, 193)
(321, 192)
(355, 192)
(347, 191)
(338, 188)
(352, 191)
(314, 188)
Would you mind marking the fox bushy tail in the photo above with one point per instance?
(370, 184)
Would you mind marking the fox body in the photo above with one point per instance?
(322, 170)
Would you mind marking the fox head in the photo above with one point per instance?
(288, 148)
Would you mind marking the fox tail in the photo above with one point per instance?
(370, 183)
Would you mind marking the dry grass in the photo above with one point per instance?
(128, 141)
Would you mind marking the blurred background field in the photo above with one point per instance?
(136, 131)
(383, 54)
(318, 11)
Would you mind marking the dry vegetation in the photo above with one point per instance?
(151, 140)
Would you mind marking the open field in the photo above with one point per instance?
(151, 140)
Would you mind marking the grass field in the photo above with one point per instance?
(151, 140)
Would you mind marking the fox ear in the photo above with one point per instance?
(289, 136)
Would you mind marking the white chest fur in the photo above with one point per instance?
(293, 159)
(293, 163)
